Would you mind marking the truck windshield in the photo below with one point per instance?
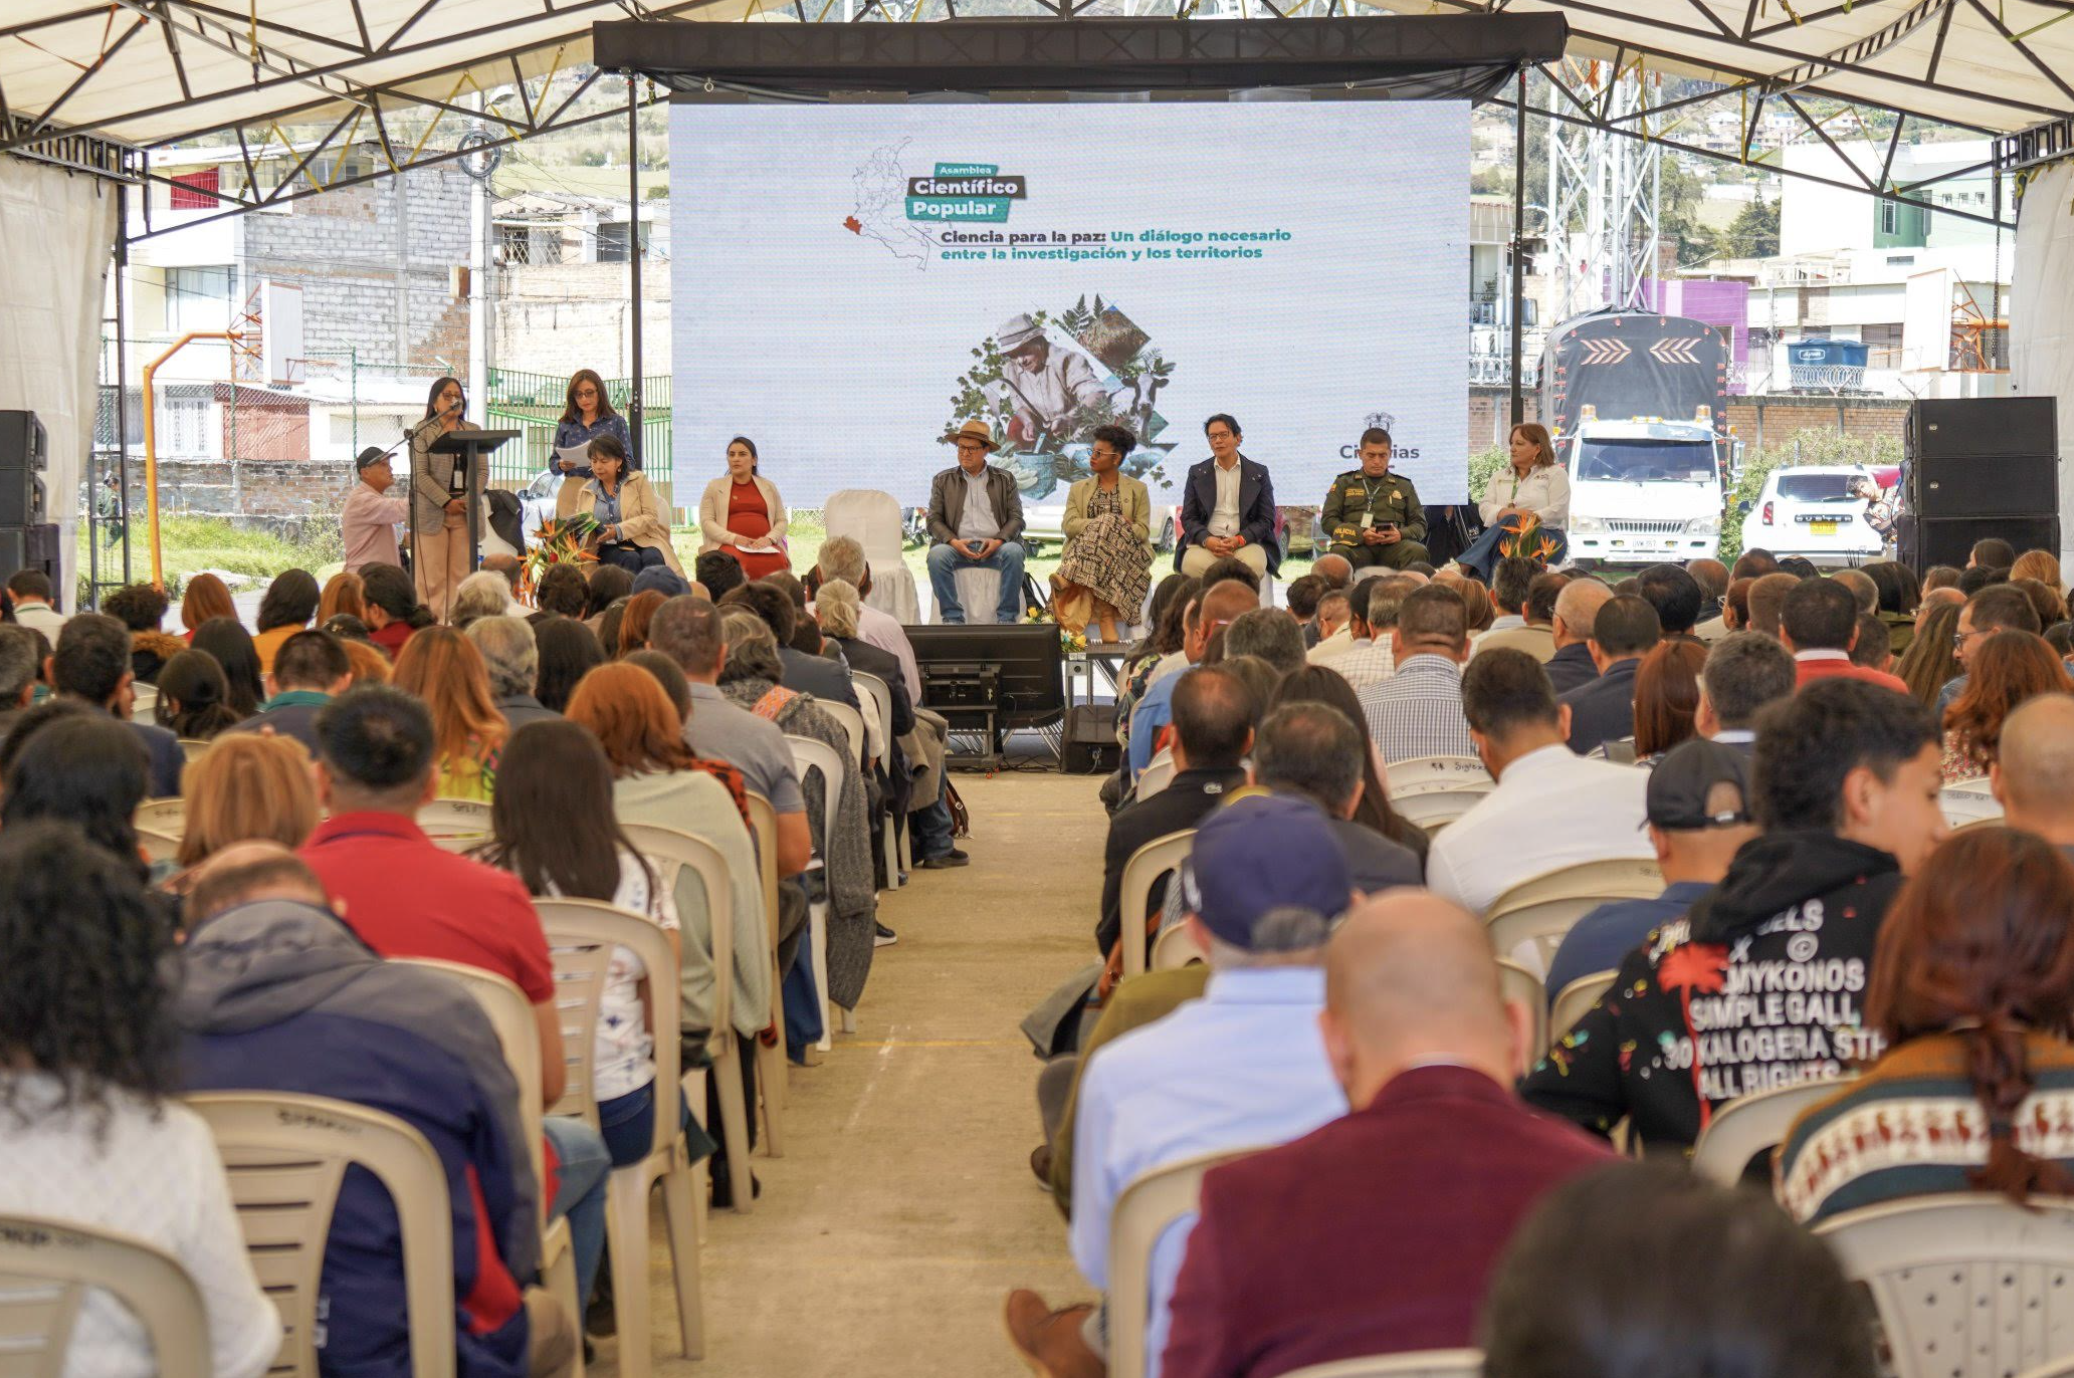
(1641, 459)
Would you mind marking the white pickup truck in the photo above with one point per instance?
(1645, 490)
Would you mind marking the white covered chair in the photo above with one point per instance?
(980, 592)
(1754, 1124)
(1968, 1285)
(872, 519)
(47, 1265)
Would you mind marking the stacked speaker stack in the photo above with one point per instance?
(27, 541)
(1977, 467)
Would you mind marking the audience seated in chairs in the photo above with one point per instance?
(1323, 684)
(1576, 614)
(1818, 622)
(1845, 787)
(69, 764)
(1242, 1067)
(249, 788)
(802, 672)
(404, 897)
(90, 1131)
(1550, 809)
(1675, 595)
(1373, 607)
(1312, 751)
(1600, 1280)
(1744, 672)
(310, 669)
(92, 664)
(1698, 806)
(1524, 597)
(193, 697)
(2009, 669)
(1375, 1234)
(1214, 609)
(511, 658)
(277, 993)
(2033, 778)
(842, 557)
(1667, 698)
(1417, 711)
(1971, 1003)
(1603, 709)
(1994, 608)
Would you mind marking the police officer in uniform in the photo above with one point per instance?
(1373, 516)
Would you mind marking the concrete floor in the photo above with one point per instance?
(904, 1210)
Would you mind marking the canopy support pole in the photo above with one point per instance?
(1519, 245)
(635, 410)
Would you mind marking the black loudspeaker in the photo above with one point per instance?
(1089, 746)
(29, 547)
(22, 498)
(1949, 541)
(1982, 457)
(23, 443)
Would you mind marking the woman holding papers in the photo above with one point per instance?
(587, 415)
(742, 514)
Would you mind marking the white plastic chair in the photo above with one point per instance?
(873, 519)
(194, 748)
(1433, 791)
(286, 1155)
(1969, 1284)
(1151, 1203)
(871, 721)
(1754, 1124)
(808, 754)
(1963, 803)
(883, 696)
(455, 818)
(1144, 867)
(1420, 1363)
(671, 853)
(518, 1034)
(1540, 911)
(582, 935)
(1575, 1000)
(166, 817)
(47, 1265)
(1176, 948)
(157, 846)
(1522, 987)
(852, 723)
(144, 703)
(1158, 773)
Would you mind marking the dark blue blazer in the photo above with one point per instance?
(1256, 509)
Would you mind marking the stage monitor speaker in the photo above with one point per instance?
(1948, 541)
(1981, 428)
(23, 443)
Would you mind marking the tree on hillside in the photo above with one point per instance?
(1755, 231)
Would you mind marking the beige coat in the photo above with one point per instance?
(713, 511)
(1131, 496)
(641, 518)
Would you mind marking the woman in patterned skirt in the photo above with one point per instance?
(1107, 569)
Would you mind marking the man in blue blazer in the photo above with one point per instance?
(1227, 507)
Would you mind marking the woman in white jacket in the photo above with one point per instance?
(1534, 488)
(742, 514)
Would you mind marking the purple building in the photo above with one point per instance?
(1723, 305)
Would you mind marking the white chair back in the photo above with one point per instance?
(1422, 1363)
(581, 934)
(145, 702)
(852, 723)
(1754, 1124)
(286, 1155)
(1969, 1284)
(1176, 948)
(1144, 867)
(1963, 805)
(157, 846)
(881, 699)
(672, 852)
(874, 520)
(192, 749)
(46, 1267)
(455, 818)
(518, 1035)
(1158, 773)
(1540, 911)
(166, 817)
(1424, 774)
(1573, 1001)
(1147, 1207)
(808, 754)
(1522, 987)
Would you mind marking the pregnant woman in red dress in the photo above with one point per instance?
(742, 514)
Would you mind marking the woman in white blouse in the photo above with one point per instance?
(1534, 488)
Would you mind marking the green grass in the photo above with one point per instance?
(190, 544)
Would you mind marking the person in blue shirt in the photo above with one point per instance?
(1215, 610)
(587, 416)
(1699, 817)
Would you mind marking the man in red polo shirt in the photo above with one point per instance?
(407, 898)
(1819, 624)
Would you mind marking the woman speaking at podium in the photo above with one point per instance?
(439, 502)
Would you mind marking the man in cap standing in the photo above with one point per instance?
(975, 522)
(1046, 386)
(1243, 1066)
(1698, 807)
(370, 517)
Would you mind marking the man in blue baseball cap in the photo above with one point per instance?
(1243, 1066)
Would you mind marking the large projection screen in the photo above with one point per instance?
(852, 280)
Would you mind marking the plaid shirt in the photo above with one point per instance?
(1370, 662)
(1417, 711)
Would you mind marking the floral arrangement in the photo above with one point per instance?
(1070, 640)
(559, 541)
(1528, 541)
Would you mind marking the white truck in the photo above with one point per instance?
(1634, 403)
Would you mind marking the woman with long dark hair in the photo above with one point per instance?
(291, 601)
(741, 513)
(1323, 684)
(568, 651)
(226, 639)
(87, 770)
(439, 500)
(1972, 994)
(1531, 491)
(554, 828)
(194, 697)
(91, 1127)
(1930, 661)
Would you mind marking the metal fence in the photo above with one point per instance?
(532, 404)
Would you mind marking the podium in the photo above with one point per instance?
(471, 447)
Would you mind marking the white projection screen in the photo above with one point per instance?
(852, 280)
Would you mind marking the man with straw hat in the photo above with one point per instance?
(975, 522)
(1048, 386)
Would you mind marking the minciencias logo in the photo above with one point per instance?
(964, 192)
